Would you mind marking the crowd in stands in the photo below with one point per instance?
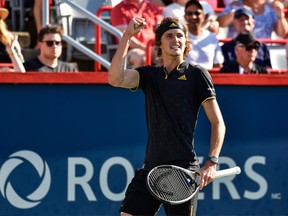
(260, 18)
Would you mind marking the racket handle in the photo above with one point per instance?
(228, 172)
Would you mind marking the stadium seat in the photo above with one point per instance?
(278, 56)
(77, 26)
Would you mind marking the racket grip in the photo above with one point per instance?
(228, 172)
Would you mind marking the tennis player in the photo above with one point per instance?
(173, 93)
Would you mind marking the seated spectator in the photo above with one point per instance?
(246, 47)
(177, 9)
(121, 15)
(244, 22)
(205, 45)
(50, 46)
(6, 38)
(269, 17)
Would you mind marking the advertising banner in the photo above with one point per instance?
(73, 149)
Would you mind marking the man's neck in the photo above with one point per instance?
(196, 30)
(170, 63)
(246, 65)
(49, 62)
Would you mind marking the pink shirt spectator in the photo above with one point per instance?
(122, 13)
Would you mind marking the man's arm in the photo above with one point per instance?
(281, 27)
(118, 75)
(16, 61)
(218, 129)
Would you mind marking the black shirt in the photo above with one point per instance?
(233, 67)
(36, 65)
(172, 107)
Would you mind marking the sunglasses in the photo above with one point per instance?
(50, 43)
(251, 47)
(190, 13)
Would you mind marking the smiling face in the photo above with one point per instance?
(194, 16)
(173, 43)
(244, 23)
(171, 37)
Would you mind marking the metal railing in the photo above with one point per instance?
(93, 18)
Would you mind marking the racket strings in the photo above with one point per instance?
(172, 185)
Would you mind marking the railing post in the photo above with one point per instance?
(45, 12)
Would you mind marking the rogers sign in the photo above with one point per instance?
(34, 198)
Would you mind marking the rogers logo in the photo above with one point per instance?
(39, 193)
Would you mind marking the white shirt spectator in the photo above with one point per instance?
(205, 50)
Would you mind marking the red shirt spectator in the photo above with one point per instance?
(122, 13)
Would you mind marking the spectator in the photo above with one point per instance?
(205, 45)
(244, 22)
(269, 17)
(6, 38)
(122, 13)
(50, 46)
(177, 9)
(246, 47)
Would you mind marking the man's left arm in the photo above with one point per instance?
(218, 129)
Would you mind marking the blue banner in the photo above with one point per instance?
(73, 149)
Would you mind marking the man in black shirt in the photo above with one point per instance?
(246, 47)
(173, 93)
(50, 46)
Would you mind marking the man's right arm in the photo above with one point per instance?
(118, 75)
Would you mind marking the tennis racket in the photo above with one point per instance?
(175, 185)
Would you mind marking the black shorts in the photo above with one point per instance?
(138, 200)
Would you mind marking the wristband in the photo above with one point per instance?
(213, 159)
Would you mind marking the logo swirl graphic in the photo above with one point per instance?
(39, 193)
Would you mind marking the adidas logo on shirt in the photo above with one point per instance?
(183, 77)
